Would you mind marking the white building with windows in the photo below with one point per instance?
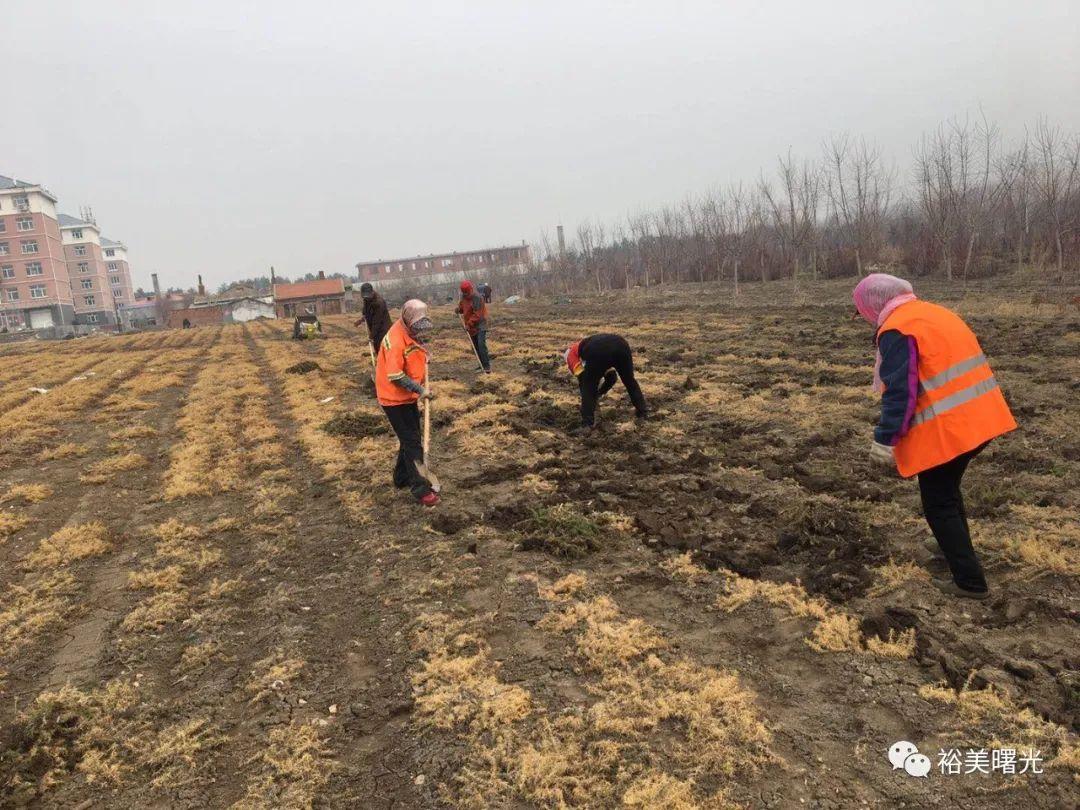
(90, 288)
(118, 270)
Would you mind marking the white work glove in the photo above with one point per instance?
(882, 454)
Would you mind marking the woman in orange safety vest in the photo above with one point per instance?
(940, 406)
(400, 382)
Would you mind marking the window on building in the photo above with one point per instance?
(37, 290)
(117, 293)
(92, 318)
(3, 225)
(87, 283)
(112, 266)
(34, 269)
(427, 265)
(114, 280)
(110, 252)
(387, 268)
(89, 300)
(12, 295)
(400, 267)
(80, 250)
(84, 267)
(4, 249)
(414, 265)
(22, 203)
(30, 246)
(447, 262)
(7, 271)
(76, 234)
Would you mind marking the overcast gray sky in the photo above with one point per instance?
(225, 137)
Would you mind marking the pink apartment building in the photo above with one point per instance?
(35, 289)
(91, 292)
(119, 272)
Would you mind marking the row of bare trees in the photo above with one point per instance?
(971, 205)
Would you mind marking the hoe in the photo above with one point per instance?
(422, 466)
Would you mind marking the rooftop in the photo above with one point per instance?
(8, 183)
(67, 221)
(106, 242)
(11, 182)
(309, 289)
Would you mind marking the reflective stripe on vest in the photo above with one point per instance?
(954, 400)
(952, 372)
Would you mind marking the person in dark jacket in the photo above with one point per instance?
(375, 314)
(473, 311)
(596, 361)
(485, 290)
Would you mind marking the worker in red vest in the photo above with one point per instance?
(940, 406)
(400, 382)
(473, 311)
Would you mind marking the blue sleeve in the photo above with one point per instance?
(898, 372)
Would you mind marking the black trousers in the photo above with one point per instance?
(605, 356)
(943, 505)
(479, 342)
(405, 420)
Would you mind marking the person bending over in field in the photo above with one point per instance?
(940, 406)
(400, 382)
(473, 311)
(595, 361)
(375, 314)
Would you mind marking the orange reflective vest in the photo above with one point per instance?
(399, 356)
(959, 404)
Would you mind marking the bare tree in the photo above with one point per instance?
(860, 191)
(793, 207)
(1057, 179)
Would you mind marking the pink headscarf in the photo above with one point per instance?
(413, 310)
(876, 296)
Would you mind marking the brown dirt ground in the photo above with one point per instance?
(725, 605)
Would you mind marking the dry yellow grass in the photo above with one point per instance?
(27, 493)
(702, 719)
(272, 675)
(65, 450)
(834, 631)
(69, 544)
(992, 719)
(106, 736)
(132, 432)
(10, 523)
(295, 766)
(682, 567)
(28, 611)
(893, 575)
(176, 592)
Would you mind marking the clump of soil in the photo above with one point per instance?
(447, 521)
(559, 530)
(356, 424)
(303, 367)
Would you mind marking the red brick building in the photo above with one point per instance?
(325, 295)
(445, 267)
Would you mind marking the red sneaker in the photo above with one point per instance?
(430, 499)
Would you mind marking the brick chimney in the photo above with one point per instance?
(202, 289)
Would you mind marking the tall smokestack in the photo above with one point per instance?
(562, 240)
(157, 300)
(202, 289)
